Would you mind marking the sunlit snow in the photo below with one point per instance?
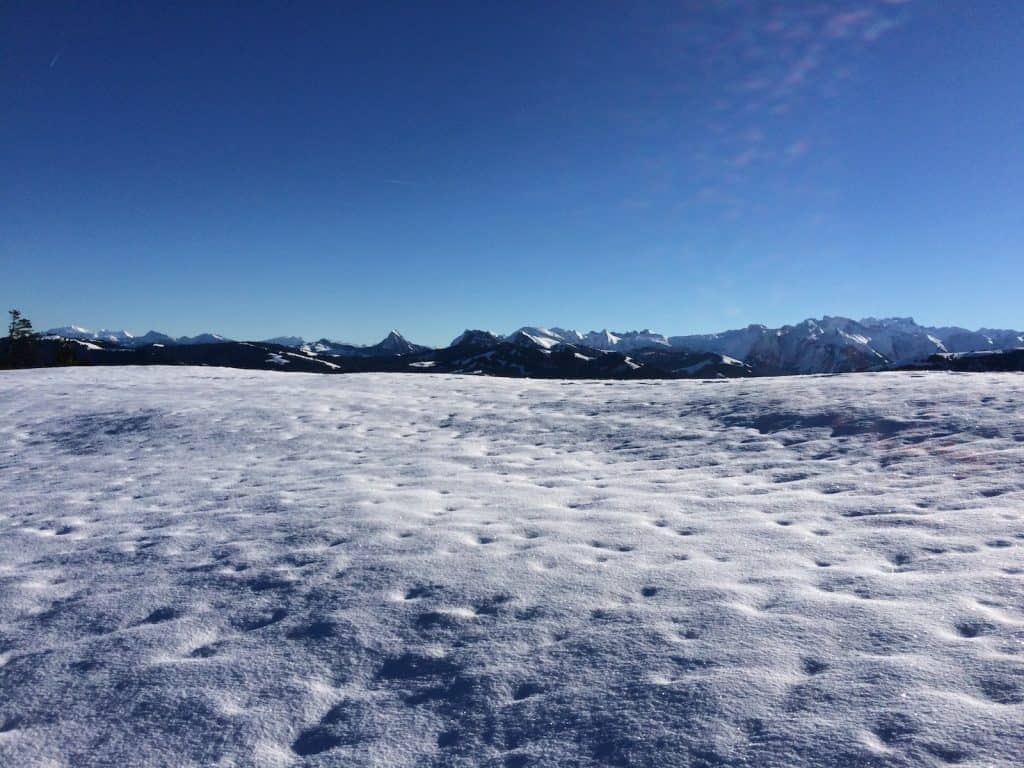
(205, 566)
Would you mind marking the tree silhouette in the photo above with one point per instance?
(21, 341)
(65, 354)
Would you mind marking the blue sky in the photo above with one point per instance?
(344, 168)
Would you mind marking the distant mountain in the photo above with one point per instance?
(510, 357)
(826, 345)
(393, 344)
(838, 344)
(687, 364)
(477, 339)
(153, 337)
(223, 353)
(970, 362)
(473, 352)
(604, 340)
(125, 339)
(529, 352)
(77, 332)
(831, 345)
(203, 338)
(396, 344)
(554, 353)
(286, 341)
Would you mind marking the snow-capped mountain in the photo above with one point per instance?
(963, 340)
(203, 338)
(125, 339)
(826, 345)
(837, 344)
(605, 340)
(394, 344)
(540, 353)
(624, 341)
(84, 334)
(539, 338)
(829, 345)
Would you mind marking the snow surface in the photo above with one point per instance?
(206, 566)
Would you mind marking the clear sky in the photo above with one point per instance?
(343, 168)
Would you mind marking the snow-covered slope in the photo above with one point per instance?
(963, 340)
(217, 567)
(540, 338)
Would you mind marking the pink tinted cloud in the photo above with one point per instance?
(847, 23)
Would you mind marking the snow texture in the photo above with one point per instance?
(207, 566)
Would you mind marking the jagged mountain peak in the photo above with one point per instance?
(395, 343)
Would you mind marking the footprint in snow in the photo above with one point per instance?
(160, 615)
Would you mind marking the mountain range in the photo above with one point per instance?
(826, 345)
(125, 339)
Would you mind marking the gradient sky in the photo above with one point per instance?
(340, 169)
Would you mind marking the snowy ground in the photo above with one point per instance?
(219, 567)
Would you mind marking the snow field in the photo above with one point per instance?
(217, 567)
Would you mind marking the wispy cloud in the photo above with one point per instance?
(786, 50)
(769, 62)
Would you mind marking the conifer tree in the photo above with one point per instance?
(65, 354)
(20, 339)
